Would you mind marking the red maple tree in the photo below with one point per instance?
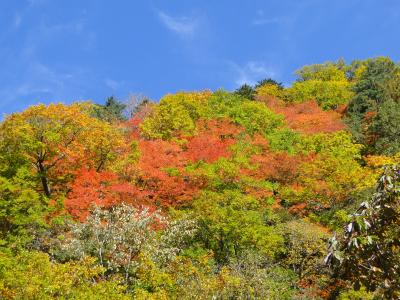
(308, 117)
(97, 188)
(212, 141)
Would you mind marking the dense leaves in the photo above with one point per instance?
(373, 111)
(55, 140)
(101, 189)
(22, 209)
(32, 275)
(369, 252)
(111, 111)
(175, 116)
(208, 195)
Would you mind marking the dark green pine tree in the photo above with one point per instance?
(246, 91)
(111, 111)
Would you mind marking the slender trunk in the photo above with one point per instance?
(100, 166)
(128, 266)
(221, 246)
(43, 178)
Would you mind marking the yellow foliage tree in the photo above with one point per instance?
(57, 139)
(176, 115)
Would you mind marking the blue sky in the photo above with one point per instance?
(54, 50)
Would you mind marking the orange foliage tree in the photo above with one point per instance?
(277, 166)
(213, 140)
(97, 188)
(161, 178)
(308, 117)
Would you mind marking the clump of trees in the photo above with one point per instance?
(208, 195)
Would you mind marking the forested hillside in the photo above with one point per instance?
(266, 192)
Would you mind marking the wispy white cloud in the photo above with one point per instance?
(263, 19)
(17, 20)
(35, 81)
(183, 25)
(251, 72)
(75, 26)
(36, 2)
(32, 79)
(40, 82)
(113, 84)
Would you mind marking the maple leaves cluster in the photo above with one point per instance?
(143, 162)
(307, 117)
(158, 175)
(255, 175)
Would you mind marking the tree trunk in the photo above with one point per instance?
(43, 178)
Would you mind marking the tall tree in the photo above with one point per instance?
(378, 82)
(22, 209)
(270, 81)
(175, 116)
(57, 139)
(111, 111)
(384, 131)
(326, 83)
(246, 91)
(369, 252)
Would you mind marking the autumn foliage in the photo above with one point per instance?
(212, 141)
(308, 117)
(92, 188)
(203, 195)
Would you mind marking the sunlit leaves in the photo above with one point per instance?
(57, 139)
(309, 118)
(231, 222)
(91, 188)
(332, 173)
(175, 116)
(199, 195)
(255, 117)
(33, 275)
(121, 237)
(328, 94)
(22, 209)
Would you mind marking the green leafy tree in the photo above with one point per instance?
(305, 246)
(231, 222)
(329, 94)
(370, 88)
(22, 209)
(328, 180)
(268, 90)
(369, 252)
(327, 83)
(329, 71)
(252, 276)
(175, 116)
(360, 294)
(32, 275)
(255, 117)
(385, 129)
(269, 81)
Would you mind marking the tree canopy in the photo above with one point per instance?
(208, 194)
